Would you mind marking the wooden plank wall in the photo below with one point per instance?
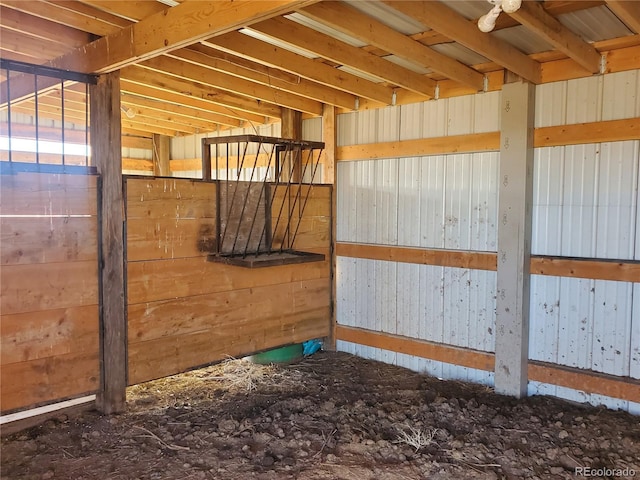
(183, 311)
(49, 324)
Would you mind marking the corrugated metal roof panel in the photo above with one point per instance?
(470, 9)
(359, 73)
(322, 28)
(407, 64)
(523, 39)
(389, 16)
(460, 53)
(277, 43)
(595, 24)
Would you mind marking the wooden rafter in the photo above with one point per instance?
(345, 54)
(276, 80)
(235, 103)
(446, 21)
(72, 14)
(627, 11)
(533, 16)
(352, 22)
(251, 48)
(173, 28)
(190, 113)
(185, 99)
(206, 76)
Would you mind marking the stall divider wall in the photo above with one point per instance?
(184, 311)
(49, 322)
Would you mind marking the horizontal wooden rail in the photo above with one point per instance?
(478, 142)
(575, 134)
(587, 381)
(423, 256)
(418, 348)
(590, 268)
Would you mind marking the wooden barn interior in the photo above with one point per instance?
(459, 181)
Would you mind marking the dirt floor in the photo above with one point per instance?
(330, 416)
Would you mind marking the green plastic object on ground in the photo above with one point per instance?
(287, 354)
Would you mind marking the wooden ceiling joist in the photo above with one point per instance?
(446, 21)
(294, 84)
(184, 99)
(254, 49)
(190, 114)
(134, 10)
(533, 16)
(170, 83)
(40, 28)
(350, 21)
(72, 14)
(627, 11)
(345, 54)
(173, 28)
(217, 79)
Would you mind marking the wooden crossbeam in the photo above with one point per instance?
(533, 16)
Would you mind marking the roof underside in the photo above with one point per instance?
(260, 56)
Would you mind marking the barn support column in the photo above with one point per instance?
(161, 153)
(106, 154)
(514, 238)
(291, 128)
(330, 175)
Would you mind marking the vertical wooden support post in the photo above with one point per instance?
(514, 238)
(291, 128)
(106, 154)
(161, 154)
(329, 175)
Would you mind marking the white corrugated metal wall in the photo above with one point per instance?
(435, 202)
(585, 204)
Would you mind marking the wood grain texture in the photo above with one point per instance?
(48, 333)
(48, 240)
(48, 194)
(107, 155)
(171, 198)
(40, 381)
(150, 281)
(36, 287)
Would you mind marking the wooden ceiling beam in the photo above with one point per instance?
(350, 21)
(71, 14)
(235, 103)
(24, 44)
(345, 54)
(533, 16)
(130, 100)
(170, 29)
(40, 28)
(445, 20)
(134, 10)
(222, 81)
(262, 52)
(185, 99)
(293, 84)
(627, 11)
(149, 127)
